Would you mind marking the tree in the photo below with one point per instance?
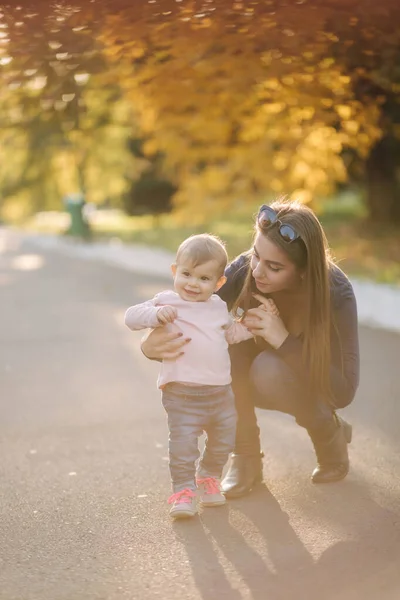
(368, 47)
(249, 99)
(150, 192)
(58, 96)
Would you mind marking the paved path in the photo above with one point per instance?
(84, 478)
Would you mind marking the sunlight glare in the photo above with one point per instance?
(28, 262)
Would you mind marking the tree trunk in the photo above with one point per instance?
(383, 186)
(156, 220)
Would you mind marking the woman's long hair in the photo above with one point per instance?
(310, 254)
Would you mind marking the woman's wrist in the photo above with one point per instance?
(144, 344)
(279, 340)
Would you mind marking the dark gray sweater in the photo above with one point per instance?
(344, 330)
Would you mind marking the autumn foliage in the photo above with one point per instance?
(246, 100)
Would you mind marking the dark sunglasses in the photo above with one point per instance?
(268, 217)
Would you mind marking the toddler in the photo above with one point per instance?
(196, 387)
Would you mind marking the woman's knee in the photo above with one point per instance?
(343, 400)
(343, 390)
(269, 375)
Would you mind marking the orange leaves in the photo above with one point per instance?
(243, 96)
(216, 114)
(344, 111)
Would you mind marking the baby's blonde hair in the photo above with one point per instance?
(199, 249)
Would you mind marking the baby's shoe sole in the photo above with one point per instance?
(182, 514)
(207, 503)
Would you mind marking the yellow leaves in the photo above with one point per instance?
(352, 127)
(148, 116)
(216, 179)
(240, 95)
(326, 63)
(317, 164)
(305, 113)
(150, 147)
(137, 52)
(343, 110)
(302, 195)
(280, 161)
(251, 132)
(274, 108)
(203, 23)
(276, 185)
(325, 136)
(307, 77)
(288, 80)
(160, 55)
(301, 170)
(271, 84)
(239, 112)
(331, 37)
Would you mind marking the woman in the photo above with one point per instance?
(303, 361)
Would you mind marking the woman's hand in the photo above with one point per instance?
(265, 322)
(160, 344)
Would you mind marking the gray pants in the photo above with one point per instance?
(260, 378)
(191, 411)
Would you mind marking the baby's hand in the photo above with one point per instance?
(166, 314)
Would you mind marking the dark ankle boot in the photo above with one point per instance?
(245, 472)
(331, 451)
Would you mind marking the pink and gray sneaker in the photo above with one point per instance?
(209, 489)
(183, 504)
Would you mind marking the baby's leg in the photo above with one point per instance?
(221, 432)
(185, 423)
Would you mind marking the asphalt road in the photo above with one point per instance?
(84, 477)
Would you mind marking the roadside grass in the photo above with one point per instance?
(360, 249)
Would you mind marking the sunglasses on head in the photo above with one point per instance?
(267, 217)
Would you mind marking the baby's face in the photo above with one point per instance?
(197, 284)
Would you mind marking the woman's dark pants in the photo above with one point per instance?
(260, 378)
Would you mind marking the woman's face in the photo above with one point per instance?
(271, 268)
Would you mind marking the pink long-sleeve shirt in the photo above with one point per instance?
(206, 358)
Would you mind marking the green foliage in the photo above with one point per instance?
(150, 192)
(63, 116)
(149, 195)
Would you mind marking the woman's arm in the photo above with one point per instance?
(345, 375)
(265, 322)
(161, 344)
(345, 358)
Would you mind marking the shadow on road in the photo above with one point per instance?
(366, 564)
(214, 537)
(224, 563)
